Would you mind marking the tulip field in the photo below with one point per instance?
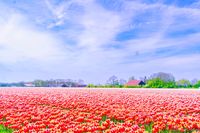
(68, 110)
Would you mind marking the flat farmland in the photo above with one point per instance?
(77, 110)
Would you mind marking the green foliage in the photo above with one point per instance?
(90, 86)
(117, 121)
(138, 86)
(40, 83)
(5, 129)
(4, 119)
(159, 83)
(170, 84)
(155, 83)
(118, 86)
(183, 83)
(197, 85)
(149, 127)
(104, 118)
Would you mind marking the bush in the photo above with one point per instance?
(90, 86)
(158, 83)
(197, 85)
(133, 86)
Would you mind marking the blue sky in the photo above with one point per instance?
(95, 39)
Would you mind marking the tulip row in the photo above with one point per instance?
(99, 110)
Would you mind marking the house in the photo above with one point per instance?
(29, 84)
(135, 83)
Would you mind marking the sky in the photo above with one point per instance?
(95, 39)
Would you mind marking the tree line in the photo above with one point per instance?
(47, 83)
(156, 80)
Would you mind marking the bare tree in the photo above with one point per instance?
(194, 81)
(131, 78)
(113, 80)
(122, 82)
(183, 83)
(80, 82)
(163, 76)
(144, 79)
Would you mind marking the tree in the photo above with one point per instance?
(122, 82)
(159, 83)
(183, 83)
(40, 83)
(163, 76)
(170, 84)
(113, 80)
(80, 82)
(70, 83)
(161, 80)
(155, 83)
(197, 85)
(194, 81)
(64, 85)
(144, 79)
(131, 78)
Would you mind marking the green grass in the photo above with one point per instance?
(5, 129)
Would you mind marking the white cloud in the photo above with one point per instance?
(99, 26)
(180, 65)
(169, 22)
(20, 41)
(94, 55)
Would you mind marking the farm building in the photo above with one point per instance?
(135, 83)
(29, 84)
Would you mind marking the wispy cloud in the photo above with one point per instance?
(20, 41)
(95, 39)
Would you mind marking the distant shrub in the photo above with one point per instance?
(159, 83)
(90, 86)
(133, 86)
(197, 85)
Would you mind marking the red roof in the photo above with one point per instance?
(133, 82)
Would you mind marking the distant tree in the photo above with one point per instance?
(113, 80)
(197, 85)
(21, 84)
(159, 83)
(131, 78)
(144, 79)
(170, 84)
(90, 85)
(183, 83)
(194, 81)
(155, 83)
(40, 83)
(4, 85)
(71, 83)
(122, 82)
(161, 80)
(163, 76)
(51, 83)
(64, 85)
(80, 82)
